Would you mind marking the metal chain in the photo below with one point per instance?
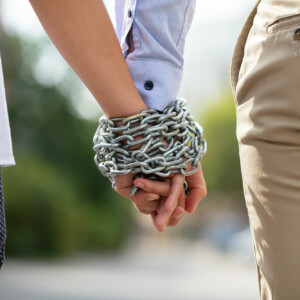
(167, 143)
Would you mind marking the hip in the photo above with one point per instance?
(265, 74)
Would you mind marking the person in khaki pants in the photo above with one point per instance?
(265, 79)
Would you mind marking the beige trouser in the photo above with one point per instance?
(266, 87)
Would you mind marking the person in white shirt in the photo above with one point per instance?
(149, 77)
(6, 158)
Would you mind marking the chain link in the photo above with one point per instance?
(168, 142)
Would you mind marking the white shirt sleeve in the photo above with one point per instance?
(159, 30)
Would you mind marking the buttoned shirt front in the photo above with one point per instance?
(159, 29)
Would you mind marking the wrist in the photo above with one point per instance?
(137, 123)
(125, 107)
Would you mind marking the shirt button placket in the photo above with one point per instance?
(130, 9)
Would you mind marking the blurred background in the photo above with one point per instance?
(69, 235)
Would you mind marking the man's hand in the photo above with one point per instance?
(197, 188)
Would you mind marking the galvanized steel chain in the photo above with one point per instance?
(151, 144)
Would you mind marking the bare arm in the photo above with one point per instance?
(83, 33)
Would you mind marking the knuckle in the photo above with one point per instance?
(203, 192)
(119, 189)
(121, 192)
(135, 199)
(169, 209)
(173, 222)
(139, 198)
(153, 205)
(143, 210)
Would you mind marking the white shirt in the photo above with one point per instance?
(159, 29)
(6, 153)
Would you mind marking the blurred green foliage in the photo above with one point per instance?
(57, 202)
(221, 165)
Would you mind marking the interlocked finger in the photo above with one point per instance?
(162, 188)
(143, 198)
(148, 208)
(179, 211)
(169, 204)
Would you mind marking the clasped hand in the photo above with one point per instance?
(164, 200)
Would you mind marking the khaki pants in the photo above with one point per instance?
(265, 79)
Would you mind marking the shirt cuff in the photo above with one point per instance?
(157, 81)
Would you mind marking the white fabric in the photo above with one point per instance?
(159, 30)
(6, 153)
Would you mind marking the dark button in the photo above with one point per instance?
(297, 35)
(148, 85)
(129, 13)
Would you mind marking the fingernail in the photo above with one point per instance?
(140, 185)
(178, 216)
(152, 197)
(162, 228)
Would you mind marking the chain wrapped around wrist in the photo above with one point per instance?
(151, 144)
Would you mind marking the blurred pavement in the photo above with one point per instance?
(149, 269)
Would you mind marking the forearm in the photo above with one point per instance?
(83, 33)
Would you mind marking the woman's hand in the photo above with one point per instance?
(172, 202)
(145, 202)
(165, 202)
